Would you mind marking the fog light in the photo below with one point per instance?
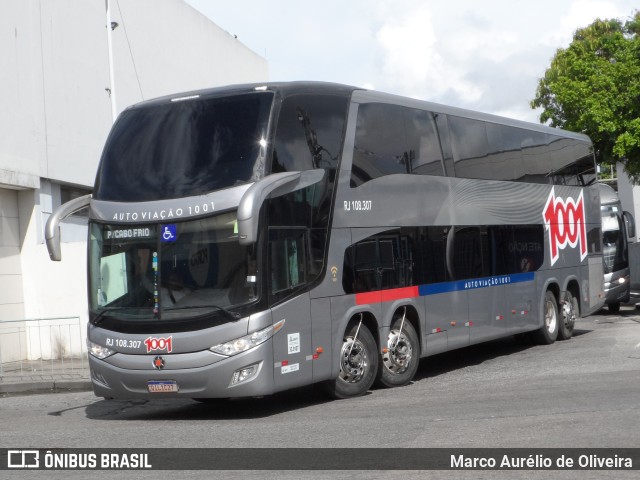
(621, 281)
(245, 373)
(98, 378)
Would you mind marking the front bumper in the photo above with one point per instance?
(617, 289)
(201, 374)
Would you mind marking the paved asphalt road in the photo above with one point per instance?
(580, 393)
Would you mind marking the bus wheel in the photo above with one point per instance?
(399, 360)
(568, 314)
(358, 363)
(548, 333)
(614, 308)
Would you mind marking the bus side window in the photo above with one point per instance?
(501, 249)
(381, 145)
(516, 248)
(379, 262)
(528, 242)
(468, 257)
(470, 147)
(288, 259)
(392, 139)
(365, 264)
(428, 157)
(309, 133)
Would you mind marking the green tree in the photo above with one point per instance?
(593, 87)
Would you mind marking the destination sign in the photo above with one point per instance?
(125, 233)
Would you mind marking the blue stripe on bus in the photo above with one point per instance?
(380, 296)
(472, 284)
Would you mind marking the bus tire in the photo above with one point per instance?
(569, 312)
(614, 308)
(548, 333)
(358, 364)
(398, 364)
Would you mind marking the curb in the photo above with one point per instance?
(50, 386)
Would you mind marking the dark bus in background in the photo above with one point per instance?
(618, 227)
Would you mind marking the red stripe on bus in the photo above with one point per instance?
(386, 295)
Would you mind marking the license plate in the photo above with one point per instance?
(162, 386)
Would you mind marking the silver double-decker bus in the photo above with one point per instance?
(250, 239)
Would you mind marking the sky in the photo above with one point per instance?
(485, 55)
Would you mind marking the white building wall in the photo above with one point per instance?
(56, 115)
(630, 199)
(629, 194)
(11, 297)
(198, 53)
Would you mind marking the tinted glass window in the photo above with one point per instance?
(572, 161)
(288, 259)
(381, 145)
(428, 157)
(184, 148)
(430, 255)
(500, 152)
(505, 155)
(392, 139)
(309, 133)
(535, 156)
(426, 255)
(515, 248)
(442, 126)
(379, 262)
(470, 147)
(308, 136)
(527, 248)
(468, 258)
(298, 222)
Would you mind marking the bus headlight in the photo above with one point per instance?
(99, 351)
(242, 344)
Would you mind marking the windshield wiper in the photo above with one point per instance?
(103, 314)
(228, 314)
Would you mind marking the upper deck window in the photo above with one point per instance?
(309, 133)
(394, 139)
(187, 148)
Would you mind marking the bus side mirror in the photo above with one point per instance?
(52, 228)
(630, 223)
(274, 185)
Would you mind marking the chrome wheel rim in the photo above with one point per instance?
(399, 354)
(550, 317)
(569, 314)
(354, 361)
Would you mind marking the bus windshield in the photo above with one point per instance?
(184, 148)
(613, 239)
(171, 271)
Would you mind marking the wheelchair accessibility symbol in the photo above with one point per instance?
(169, 234)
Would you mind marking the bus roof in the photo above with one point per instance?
(359, 95)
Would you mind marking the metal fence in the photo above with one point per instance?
(42, 347)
